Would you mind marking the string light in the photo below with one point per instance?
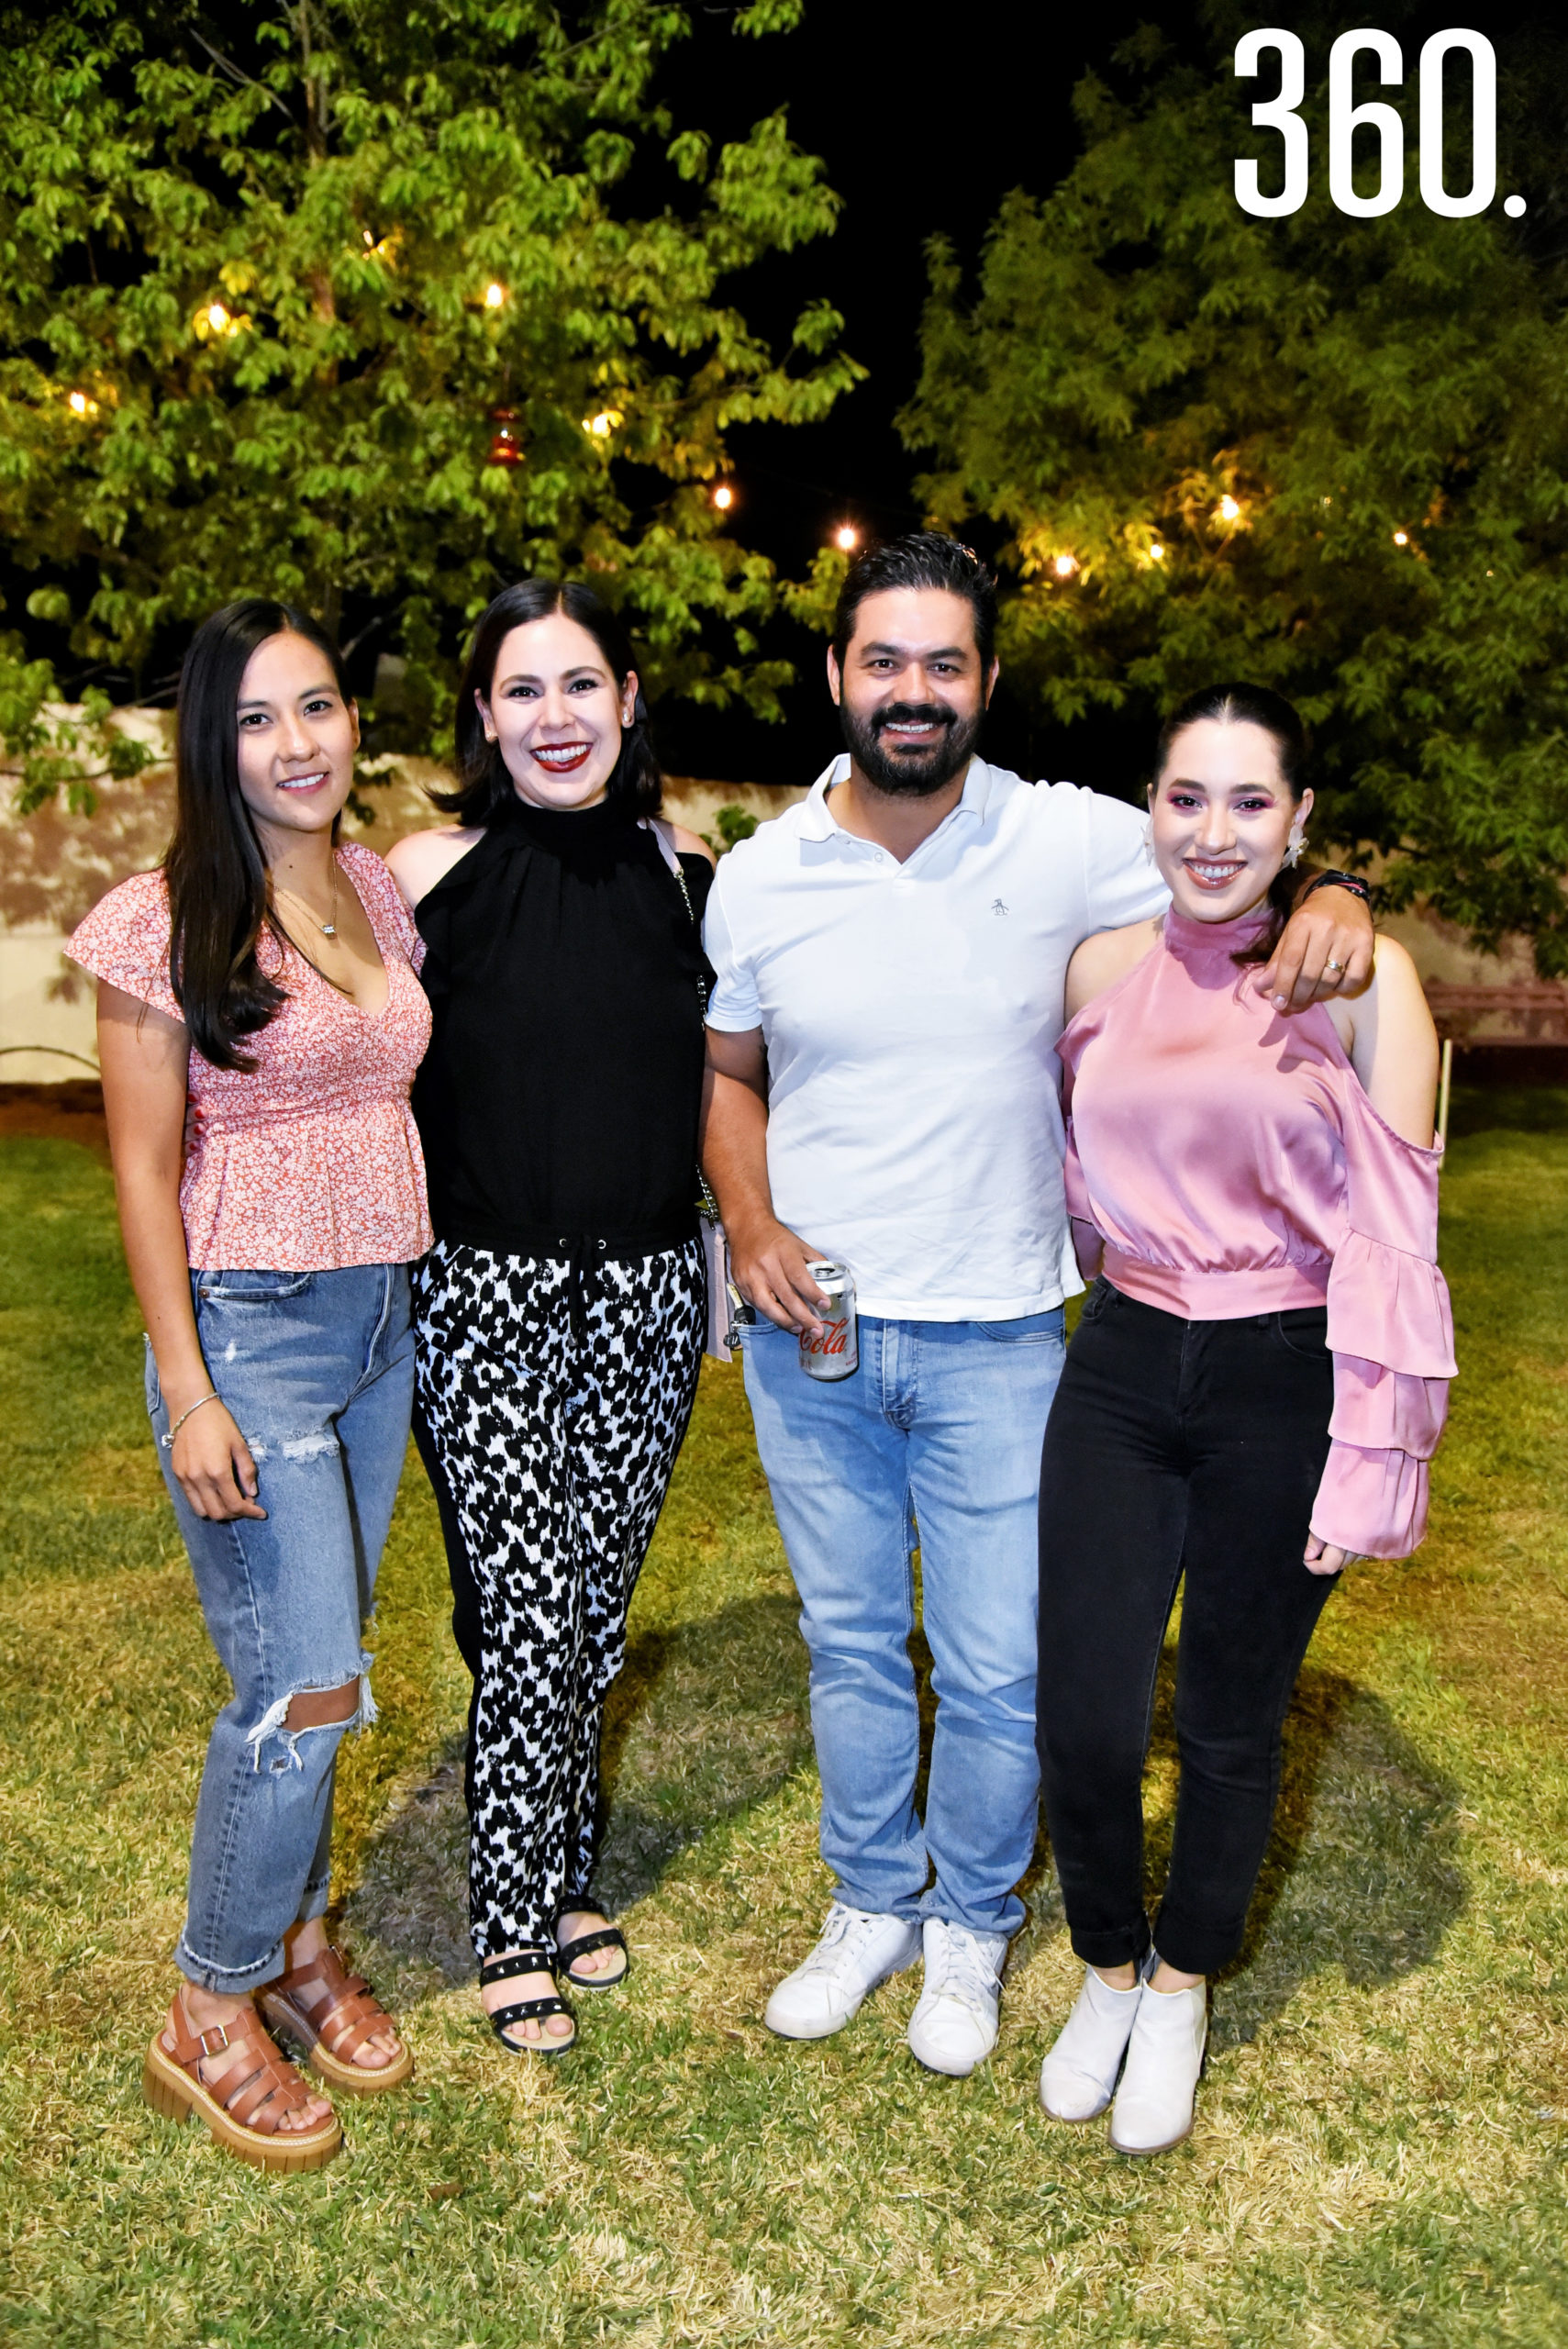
(216, 319)
(494, 296)
(601, 426)
(1157, 553)
(1401, 538)
(80, 405)
(1066, 566)
(1229, 509)
(724, 497)
(846, 538)
(505, 449)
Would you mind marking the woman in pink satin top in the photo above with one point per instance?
(1255, 1390)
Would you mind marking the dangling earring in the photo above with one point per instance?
(1149, 840)
(1295, 845)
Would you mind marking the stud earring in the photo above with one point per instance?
(1295, 845)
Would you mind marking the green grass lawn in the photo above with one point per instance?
(1383, 2129)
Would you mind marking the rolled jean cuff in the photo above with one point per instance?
(1197, 1949)
(226, 1980)
(315, 1900)
(1129, 1947)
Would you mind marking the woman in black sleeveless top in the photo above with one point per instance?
(559, 1317)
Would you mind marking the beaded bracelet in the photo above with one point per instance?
(1350, 881)
(167, 1441)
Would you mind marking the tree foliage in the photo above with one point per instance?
(1328, 453)
(267, 276)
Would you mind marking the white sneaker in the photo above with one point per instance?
(858, 1949)
(954, 2026)
(1153, 2108)
(1077, 2078)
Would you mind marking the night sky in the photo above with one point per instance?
(924, 122)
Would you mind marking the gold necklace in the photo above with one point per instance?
(329, 928)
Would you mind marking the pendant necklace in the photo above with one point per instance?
(329, 928)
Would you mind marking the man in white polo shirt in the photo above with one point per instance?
(890, 957)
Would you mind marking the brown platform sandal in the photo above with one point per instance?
(245, 2105)
(328, 2013)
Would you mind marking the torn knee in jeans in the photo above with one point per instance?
(345, 1705)
(315, 1708)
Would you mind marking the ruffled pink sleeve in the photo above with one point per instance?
(124, 940)
(1391, 1333)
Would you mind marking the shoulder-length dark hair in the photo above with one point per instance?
(1241, 704)
(219, 901)
(484, 786)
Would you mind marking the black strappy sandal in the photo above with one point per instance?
(607, 1937)
(506, 1969)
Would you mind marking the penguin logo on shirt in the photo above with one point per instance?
(997, 906)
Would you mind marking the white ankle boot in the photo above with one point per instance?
(1077, 2078)
(1153, 2108)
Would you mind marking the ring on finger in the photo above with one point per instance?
(1333, 970)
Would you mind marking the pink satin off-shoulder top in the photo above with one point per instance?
(1232, 1164)
(310, 1163)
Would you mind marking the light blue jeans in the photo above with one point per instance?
(934, 1442)
(318, 1370)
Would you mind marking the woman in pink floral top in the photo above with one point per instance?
(259, 1023)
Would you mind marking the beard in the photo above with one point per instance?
(911, 774)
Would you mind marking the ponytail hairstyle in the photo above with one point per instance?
(484, 786)
(1241, 705)
(219, 900)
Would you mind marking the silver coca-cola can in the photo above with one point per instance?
(834, 1350)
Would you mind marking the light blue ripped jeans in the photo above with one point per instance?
(318, 1370)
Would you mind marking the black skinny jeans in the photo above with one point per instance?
(1174, 1448)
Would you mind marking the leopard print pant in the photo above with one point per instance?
(557, 1450)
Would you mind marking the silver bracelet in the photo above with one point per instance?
(167, 1441)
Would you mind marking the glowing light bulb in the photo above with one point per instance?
(507, 448)
(1401, 538)
(494, 296)
(724, 497)
(1157, 553)
(1066, 566)
(79, 404)
(1229, 509)
(217, 317)
(846, 538)
(604, 424)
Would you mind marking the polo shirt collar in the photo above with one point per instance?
(818, 821)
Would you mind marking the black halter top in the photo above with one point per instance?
(558, 1101)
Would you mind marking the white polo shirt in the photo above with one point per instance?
(910, 1013)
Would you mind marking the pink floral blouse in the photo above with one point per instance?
(312, 1162)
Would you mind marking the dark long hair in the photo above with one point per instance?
(218, 898)
(484, 786)
(1241, 705)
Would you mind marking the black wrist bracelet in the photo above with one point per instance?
(1350, 881)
